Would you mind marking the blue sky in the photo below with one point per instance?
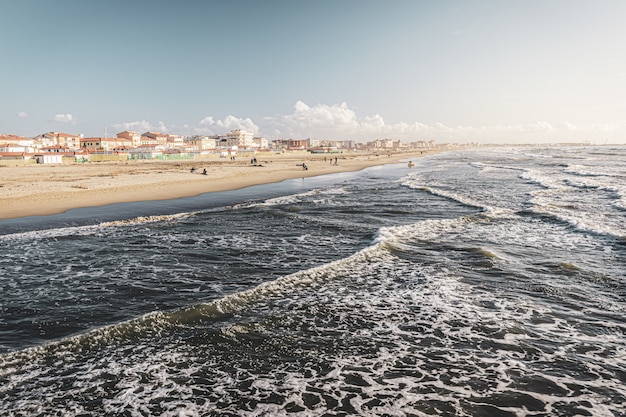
(453, 71)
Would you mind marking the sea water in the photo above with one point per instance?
(485, 282)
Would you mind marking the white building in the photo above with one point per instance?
(238, 138)
(260, 143)
(201, 143)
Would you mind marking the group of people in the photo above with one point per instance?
(253, 161)
(193, 171)
(332, 162)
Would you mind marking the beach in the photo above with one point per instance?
(37, 190)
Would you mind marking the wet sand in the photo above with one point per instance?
(37, 190)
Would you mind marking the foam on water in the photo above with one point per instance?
(319, 196)
(376, 333)
(490, 310)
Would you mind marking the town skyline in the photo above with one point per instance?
(234, 140)
(456, 71)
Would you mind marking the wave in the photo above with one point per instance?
(300, 197)
(417, 184)
(147, 219)
(50, 233)
(59, 232)
(375, 340)
(157, 324)
(140, 220)
(160, 323)
(579, 221)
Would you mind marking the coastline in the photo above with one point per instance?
(41, 190)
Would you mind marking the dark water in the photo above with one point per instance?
(479, 283)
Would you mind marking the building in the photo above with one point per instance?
(201, 143)
(236, 138)
(260, 143)
(280, 144)
(175, 141)
(49, 158)
(17, 140)
(59, 139)
(301, 144)
(133, 136)
(15, 148)
(105, 144)
(160, 138)
(91, 144)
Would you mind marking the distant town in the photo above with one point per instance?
(59, 148)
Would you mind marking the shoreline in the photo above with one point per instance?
(42, 190)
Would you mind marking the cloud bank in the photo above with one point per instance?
(340, 122)
(142, 126)
(212, 126)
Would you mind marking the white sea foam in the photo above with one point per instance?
(146, 219)
(51, 233)
(324, 194)
(486, 313)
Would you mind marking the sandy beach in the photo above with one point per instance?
(37, 190)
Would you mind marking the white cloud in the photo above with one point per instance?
(22, 114)
(569, 126)
(207, 121)
(209, 125)
(139, 126)
(232, 122)
(322, 115)
(64, 118)
(161, 127)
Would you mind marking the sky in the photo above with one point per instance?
(532, 71)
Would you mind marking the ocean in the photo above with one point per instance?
(480, 282)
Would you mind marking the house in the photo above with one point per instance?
(59, 139)
(110, 144)
(174, 141)
(105, 144)
(15, 156)
(14, 148)
(134, 137)
(201, 143)
(91, 144)
(260, 142)
(160, 138)
(17, 140)
(146, 141)
(298, 144)
(48, 158)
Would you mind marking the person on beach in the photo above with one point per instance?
(193, 169)
(204, 171)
